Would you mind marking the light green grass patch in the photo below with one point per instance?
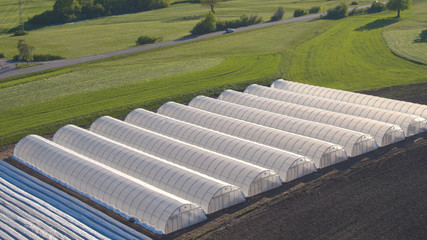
(404, 38)
(97, 77)
(85, 107)
(352, 56)
(407, 44)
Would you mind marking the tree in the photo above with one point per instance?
(66, 10)
(337, 12)
(25, 50)
(399, 5)
(207, 25)
(210, 3)
(299, 12)
(278, 15)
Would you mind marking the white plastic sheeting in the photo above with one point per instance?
(125, 194)
(321, 153)
(24, 216)
(351, 97)
(383, 133)
(289, 166)
(354, 143)
(69, 211)
(410, 124)
(211, 194)
(249, 178)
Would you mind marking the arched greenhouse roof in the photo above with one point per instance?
(410, 124)
(320, 152)
(289, 166)
(251, 179)
(352, 97)
(172, 178)
(383, 133)
(131, 197)
(354, 143)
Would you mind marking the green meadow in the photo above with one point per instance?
(112, 33)
(349, 54)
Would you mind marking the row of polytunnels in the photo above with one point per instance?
(169, 169)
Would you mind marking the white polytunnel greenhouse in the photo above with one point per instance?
(249, 178)
(132, 198)
(352, 97)
(354, 143)
(383, 133)
(410, 124)
(322, 153)
(289, 166)
(209, 193)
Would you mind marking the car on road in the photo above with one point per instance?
(229, 30)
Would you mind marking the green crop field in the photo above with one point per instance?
(349, 54)
(120, 32)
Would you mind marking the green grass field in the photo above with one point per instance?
(352, 56)
(349, 54)
(120, 32)
(406, 39)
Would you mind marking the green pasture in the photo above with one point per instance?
(120, 32)
(352, 56)
(407, 39)
(83, 108)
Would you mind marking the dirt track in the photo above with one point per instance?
(380, 195)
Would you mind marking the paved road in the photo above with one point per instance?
(12, 72)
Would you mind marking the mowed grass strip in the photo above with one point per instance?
(352, 56)
(80, 109)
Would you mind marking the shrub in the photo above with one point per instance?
(157, 4)
(41, 57)
(46, 57)
(207, 25)
(44, 18)
(357, 11)
(144, 39)
(337, 12)
(243, 21)
(246, 20)
(299, 12)
(376, 7)
(314, 9)
(278, 15)
(1, 54)
(354, 3)
(20, 32)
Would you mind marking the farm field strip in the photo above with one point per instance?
(52, 206)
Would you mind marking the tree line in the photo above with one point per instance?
(65, 11)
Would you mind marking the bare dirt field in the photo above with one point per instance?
(380, 195)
